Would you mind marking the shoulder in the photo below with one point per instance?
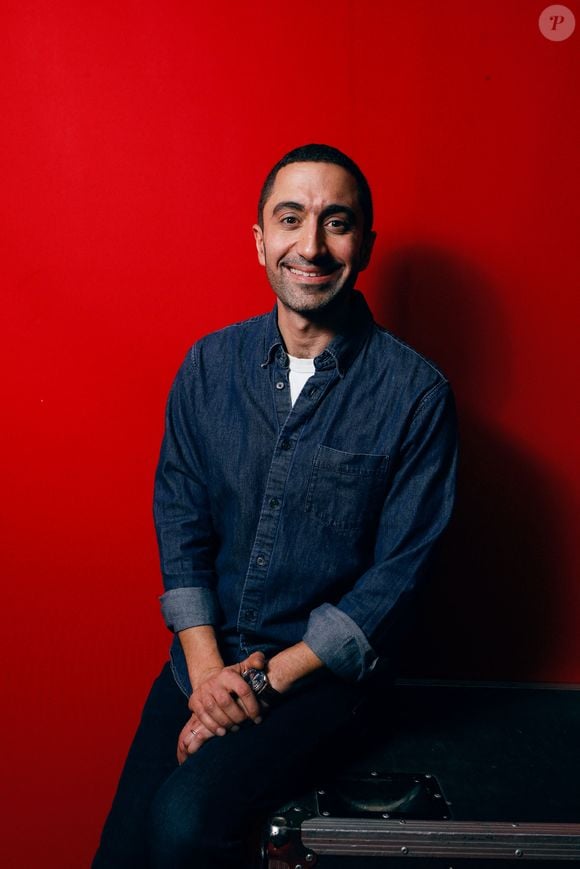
(394, 348)
(228, 342)
(403, 365)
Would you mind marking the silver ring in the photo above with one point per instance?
(195, 733)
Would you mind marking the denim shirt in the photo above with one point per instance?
(314, 522)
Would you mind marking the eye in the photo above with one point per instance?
(338, 224)
(289, 220)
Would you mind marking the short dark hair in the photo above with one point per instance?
(320, 154)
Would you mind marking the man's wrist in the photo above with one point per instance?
(291, 666)
(201, 653)
(261, 686)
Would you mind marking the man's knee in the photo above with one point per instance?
(189, 826)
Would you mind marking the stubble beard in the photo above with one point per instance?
(304, 299)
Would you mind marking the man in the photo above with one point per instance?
(306, 472)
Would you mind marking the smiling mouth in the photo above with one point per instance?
(311, 275)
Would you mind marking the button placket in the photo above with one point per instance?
(282, 401)
(261, 555)
(291, 426)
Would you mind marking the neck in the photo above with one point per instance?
(306, 336)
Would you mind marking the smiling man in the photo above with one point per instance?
(306, 473)
(312, 237)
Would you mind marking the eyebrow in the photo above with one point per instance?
(281, 206)
(339, 209)
(334, 208)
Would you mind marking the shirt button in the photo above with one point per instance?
(250, 615)
(280, 384)
(274, 502)
(285, 445)
(260, 561)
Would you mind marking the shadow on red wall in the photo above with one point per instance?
(492, 605)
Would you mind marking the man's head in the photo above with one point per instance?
(320, 154)
(314, 233)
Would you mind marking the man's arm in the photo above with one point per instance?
(183, 522)
(187, 547)
(291, 665)
(347, 635)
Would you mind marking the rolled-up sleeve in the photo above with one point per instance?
(188, 607)
(185, 533)
(349, 635)
(340, 643)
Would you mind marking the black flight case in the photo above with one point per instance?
(448, 776)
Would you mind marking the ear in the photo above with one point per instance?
(259, 239)
(367, 249)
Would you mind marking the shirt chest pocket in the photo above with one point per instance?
(346, 490)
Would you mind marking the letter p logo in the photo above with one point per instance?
(557, 23)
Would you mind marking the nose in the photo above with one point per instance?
(312, 241)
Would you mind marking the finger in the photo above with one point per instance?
(182, 754)
(211, 725)
(198, 736)
(191, 738)
(245, 696)
(182, 743)
(214, 720)
(218, 711)
(196, 733)
(186, 734)
(229, 705)
(220, 703)
(257, 660)
(251, 707)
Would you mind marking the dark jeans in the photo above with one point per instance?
(199, 815)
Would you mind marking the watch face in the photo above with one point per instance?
(256, 679)
(259, 680)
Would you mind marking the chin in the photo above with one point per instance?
(311, 303)
(307, 306)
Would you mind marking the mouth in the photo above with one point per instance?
(312, 275)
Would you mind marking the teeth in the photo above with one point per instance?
(306, 274)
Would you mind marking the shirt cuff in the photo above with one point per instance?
(189, 607)
(339, 643)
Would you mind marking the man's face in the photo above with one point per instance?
(313, 243)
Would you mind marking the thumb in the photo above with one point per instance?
(256, 660)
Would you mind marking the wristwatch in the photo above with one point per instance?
(260, 685)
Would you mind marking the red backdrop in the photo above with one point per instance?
(134, 139)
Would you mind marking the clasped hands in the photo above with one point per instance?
(220, 702)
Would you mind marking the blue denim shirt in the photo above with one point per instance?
(313, 522)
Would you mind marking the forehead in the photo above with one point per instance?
(314, 185)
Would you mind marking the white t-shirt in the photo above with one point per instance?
(300, 371)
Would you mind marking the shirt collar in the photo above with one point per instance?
(343, 348)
